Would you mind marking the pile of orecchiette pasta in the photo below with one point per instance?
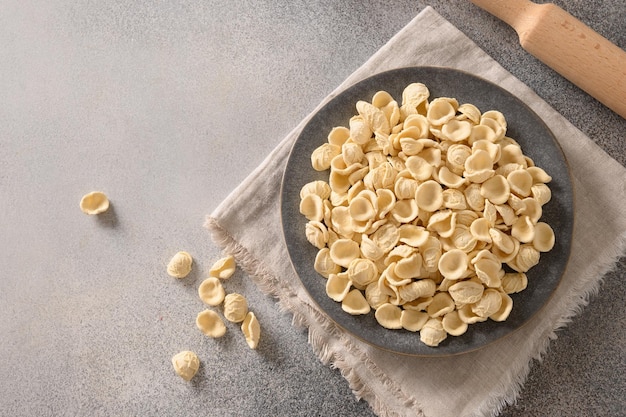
(425, 203)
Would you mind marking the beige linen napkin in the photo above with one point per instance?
(480, 383)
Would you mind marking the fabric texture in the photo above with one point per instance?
(480, 383)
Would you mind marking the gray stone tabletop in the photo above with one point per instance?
(167, 106)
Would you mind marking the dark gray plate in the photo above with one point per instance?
(523, 125)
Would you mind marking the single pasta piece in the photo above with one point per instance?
(355, 303)
(251, 330)
(223, 268)
(235, 307)
(338, 286)
(432, 332)
(95, 202)
(389, 316)
(211, 291)
(186, 364)
(413, 320)
(453, 325)
(180, 265)
(210, 323)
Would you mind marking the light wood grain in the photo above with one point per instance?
(568, 46)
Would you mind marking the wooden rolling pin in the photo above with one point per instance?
(568, 46)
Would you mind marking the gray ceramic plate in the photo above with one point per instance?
(525, 126)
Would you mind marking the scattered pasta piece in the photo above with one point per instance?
(186, 364)
(211, 291)
(251, 330)
(223, 268)
(210, 323)
(430, 215)
(180, 265)
(95, 202)
(235, 307)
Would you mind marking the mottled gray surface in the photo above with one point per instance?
(166, 106)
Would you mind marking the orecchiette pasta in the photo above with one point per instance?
(453, 325)
(223, 268)
(211, 291)
(338, 286)
(430, 215)
(235, 307)
(433, 332)
(186, 364)
(251, 330)
(388, 315)
(95, 202)
(413, 320)
(210, 323)
(180, 265)
(355, 303)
